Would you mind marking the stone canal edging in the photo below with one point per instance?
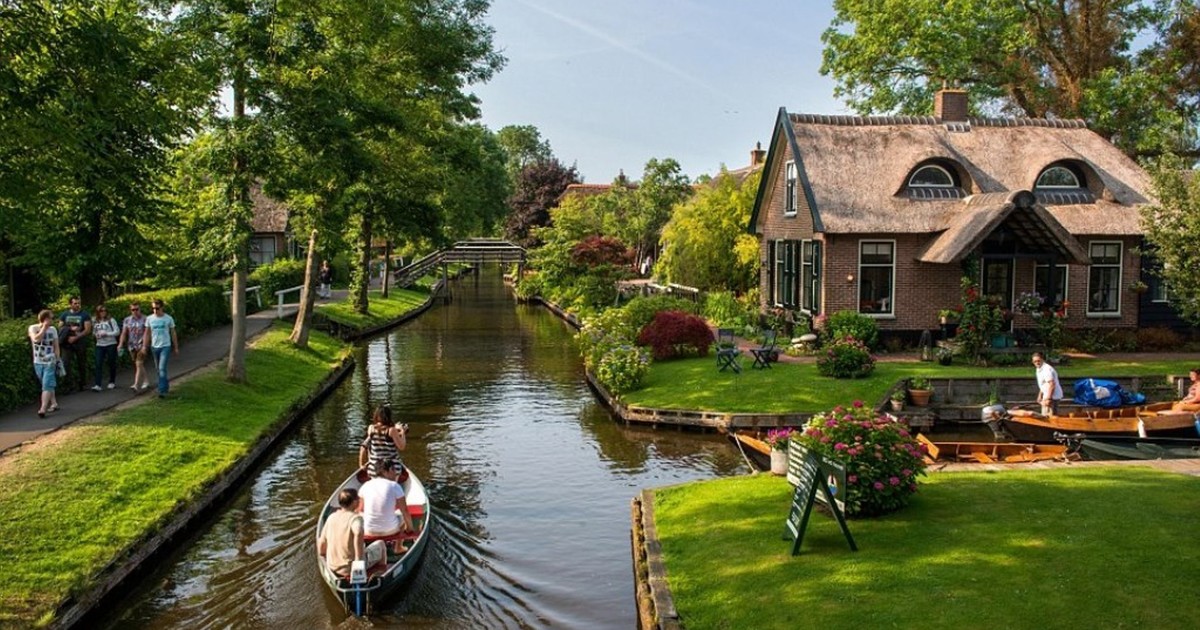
(115, 578)
(655, 606)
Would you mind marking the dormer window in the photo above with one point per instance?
(1062, 183)
(934, 181)
(1058, 177)
(789, 189)
(931, 176)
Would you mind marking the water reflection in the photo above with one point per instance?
(529, 476)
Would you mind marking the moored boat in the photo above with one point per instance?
(990, 452)
(1159, 420)
(381, 580)
(1115, 448)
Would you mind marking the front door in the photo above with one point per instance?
(997, 282)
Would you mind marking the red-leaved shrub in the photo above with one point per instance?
(597, 250)
(676, 334)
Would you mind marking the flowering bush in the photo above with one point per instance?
(622, 368)
(606, 343)
(1029, 303)
(981, 318)
(676, 334)
(1050, 321)
(850, 324)
(846, 357)
(882, 458)
(777, 439)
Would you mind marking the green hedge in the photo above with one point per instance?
(195, 309)
(283, 273)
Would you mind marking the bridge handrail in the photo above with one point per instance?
(256, 290)
(279, 305)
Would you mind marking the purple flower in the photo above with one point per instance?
(907, 472)
(895, 481)
(858, 404)
(831, 423)
(852, 478)
(839, 446)
(879, 485)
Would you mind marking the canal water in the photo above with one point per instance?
(530, 479)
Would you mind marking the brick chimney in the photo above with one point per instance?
(950, 105)
(757, 155)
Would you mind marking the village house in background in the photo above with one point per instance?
(877, 214)
(272, 237)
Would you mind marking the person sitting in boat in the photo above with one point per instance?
(1049, 389)
(341, 540)
(384, 511)
(1193, 393)
(384, 440)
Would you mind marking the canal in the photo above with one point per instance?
(529, 476)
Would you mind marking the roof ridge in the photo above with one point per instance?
(852, 120)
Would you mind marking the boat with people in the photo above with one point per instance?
(1131, 448)
(361, 597)
(1154, 420)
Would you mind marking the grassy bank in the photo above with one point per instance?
(1071, 548)
(797, 387)
(380, 310)
(75, 505)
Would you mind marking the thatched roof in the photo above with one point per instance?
(270, 215)
(1029, 222)
(857, 170)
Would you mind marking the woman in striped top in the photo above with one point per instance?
(384, 440)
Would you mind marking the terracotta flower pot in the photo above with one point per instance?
(920, 397)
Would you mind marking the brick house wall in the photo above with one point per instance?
(776, 225)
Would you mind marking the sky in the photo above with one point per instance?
(613, 83)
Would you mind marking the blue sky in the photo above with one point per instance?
(613, 83)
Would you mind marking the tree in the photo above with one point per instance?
(523, 145)
(705, 243)
(94, 97)
(663, 186)
(1029, 57)
(538, 188)
(1172, 228)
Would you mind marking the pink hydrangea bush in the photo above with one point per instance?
(883, 459)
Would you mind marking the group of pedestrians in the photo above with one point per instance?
(376, 511)
(55, 349)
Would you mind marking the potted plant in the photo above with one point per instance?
(1139, 287)
(948, 318)
(920, 391)
(897, 400)
(945, 356)
(778, 439)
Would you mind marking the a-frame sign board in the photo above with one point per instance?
(810, 480)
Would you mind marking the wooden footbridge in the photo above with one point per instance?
(476, 251)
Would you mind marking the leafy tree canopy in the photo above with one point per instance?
(1033, 58)
(538, 188)
(523, 145)
(705, 243)
(1172, 228)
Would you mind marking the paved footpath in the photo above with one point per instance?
(23, 425)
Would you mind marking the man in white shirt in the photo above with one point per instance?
(384, 510)
(1049, 389)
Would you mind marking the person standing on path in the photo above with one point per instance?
(1049, 389)
(133, 339)
(44, 337)
(76, 325)
(326, 278)
(162, 341)
(107, 332)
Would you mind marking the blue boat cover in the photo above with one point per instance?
(1097, 392)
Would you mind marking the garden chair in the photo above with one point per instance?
(766, 353)
(727, 351)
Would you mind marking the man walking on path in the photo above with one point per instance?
(76, 326)
(162, 340)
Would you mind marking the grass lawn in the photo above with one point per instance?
(1068, 548)
(379, 309)
(797, 388)
(72, 506)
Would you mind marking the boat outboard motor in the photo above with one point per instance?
(991, 416)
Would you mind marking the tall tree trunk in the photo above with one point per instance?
(387, 269)
(308, 295)
(364, 264)
(235, 370)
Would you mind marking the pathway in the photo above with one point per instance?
(23, 425)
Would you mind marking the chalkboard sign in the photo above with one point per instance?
(833, 471)
(810, 482)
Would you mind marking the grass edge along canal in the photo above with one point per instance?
(1065, 548)
(75, 507)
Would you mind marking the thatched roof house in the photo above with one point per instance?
(878, 215)
(272, 236)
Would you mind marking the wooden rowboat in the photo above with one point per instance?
(1160, 419)
(1116, 448)
(382, 580)
(990, 452)
(755, 450)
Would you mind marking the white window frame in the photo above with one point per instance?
(1066, 274)
(789, 189)
(1160, 286)
(858, 284)
(947, 173)
(1120, 266)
